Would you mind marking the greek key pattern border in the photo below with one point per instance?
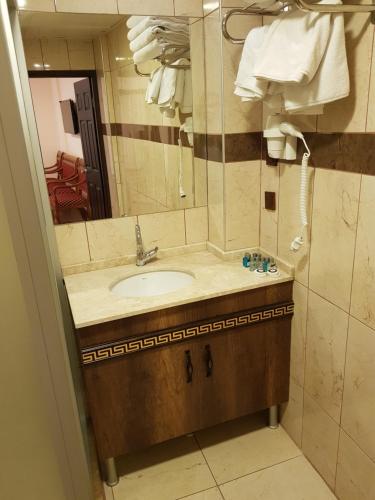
(125, 347)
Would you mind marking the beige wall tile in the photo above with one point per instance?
(215, 175)
(349, 114)
(214, 90)
(242, 204)
(164, 230)
(172, 169)
(238, 116)
(188, 8)
(359, 400)
(209, 6)
(109, 95)
(129, 98)
(292, 412)
(290, 221)
(320, 439)
(285, 481)
(119, 53)
(196, 220)
(355, 472)
(269, 218)
(55, 54)
(327, 328)
(298, 341)
(33, 54)
(146, 7)
(37, 5)
(370, 125)
(72, 244)
(200, 182)
(363, 290)
(81, 54)
(142, 169)
(111, 238)
(87, 6)
(98, 56)
(334, 224)
(198, 76)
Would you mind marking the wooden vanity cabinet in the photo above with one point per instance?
(160, 375)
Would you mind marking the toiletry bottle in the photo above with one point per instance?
(245, 260)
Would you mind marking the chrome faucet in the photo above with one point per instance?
(142, 256)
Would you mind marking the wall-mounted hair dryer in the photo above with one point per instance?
(282, 144)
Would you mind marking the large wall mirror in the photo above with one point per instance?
(119, 103)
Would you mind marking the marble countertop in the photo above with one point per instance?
(92, 301)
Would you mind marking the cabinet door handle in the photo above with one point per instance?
(209, 361)
(189, 367)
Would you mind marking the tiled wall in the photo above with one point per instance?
(233, 186)
(333, 340)
(59, 54)
(146, 172)
(111, 240)
(144, 7)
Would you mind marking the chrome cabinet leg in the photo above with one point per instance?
(273, 417)
(111, 472)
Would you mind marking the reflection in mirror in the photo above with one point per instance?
(120, 112)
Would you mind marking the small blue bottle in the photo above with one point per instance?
(246, 260)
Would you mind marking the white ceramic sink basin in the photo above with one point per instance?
(152, 283)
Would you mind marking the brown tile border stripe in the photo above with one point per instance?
(348, 152)
(161, 338)
(162, 134)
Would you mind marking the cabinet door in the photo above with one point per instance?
(144, 398)
(246, 371)
(150, 397)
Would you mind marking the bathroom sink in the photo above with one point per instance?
(151, 284)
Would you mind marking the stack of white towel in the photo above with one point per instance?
(297, 64)
(169, 88)
(148, 35)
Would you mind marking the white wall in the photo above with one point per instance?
(46, 93)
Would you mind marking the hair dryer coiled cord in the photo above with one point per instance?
(298, 240)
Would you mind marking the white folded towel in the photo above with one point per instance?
(297, 65)
(139, 28)
(186, 106)
(164, 35)
(331, 81)
(175, 90)
(247, 85)
(153, 88)
(293, 47)
(150, 51)
(134, 20)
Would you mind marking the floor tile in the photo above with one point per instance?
(243, 446)
(295, 479)
(211, 494)
(167, 471)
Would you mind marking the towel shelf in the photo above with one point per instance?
(300, 4)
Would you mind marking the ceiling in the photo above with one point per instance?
(61, 25)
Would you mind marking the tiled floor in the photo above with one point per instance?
(241, 460)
